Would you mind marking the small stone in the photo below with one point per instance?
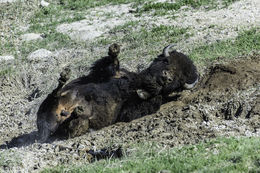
(40, 55)
(7, 1)
(44, 3)
(6, 58)
(57, 149)
(31, 37)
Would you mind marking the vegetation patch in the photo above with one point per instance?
(6, 70)
(143, 39)
(162, 8)
(9, 159)
(218, 155)
(83, 4)
(244, 43)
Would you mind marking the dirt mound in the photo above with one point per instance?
(226, 102)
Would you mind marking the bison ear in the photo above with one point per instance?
(166, 60)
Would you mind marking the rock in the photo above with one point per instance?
(31, 37)
(6, 58)
(5, 1)
(44, 3)
(40, 55)
(96, 25)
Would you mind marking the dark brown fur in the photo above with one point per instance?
(98, 105)
(60, 104)
(170, 72)
(95, 105)
(102, 70)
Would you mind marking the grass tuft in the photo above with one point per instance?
(162, 8)
(245, 43)
(86, 4)
(9, 159)
(218, 155)
(143, 41)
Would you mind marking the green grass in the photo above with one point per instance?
(9, 159)
(14, 16)
(218, 155)
(149, 38)
(43, 21)
(162, 8)
(86, 4)
(245, 43)
(6, 70)
(156, 34)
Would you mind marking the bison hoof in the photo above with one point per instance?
(65, 75)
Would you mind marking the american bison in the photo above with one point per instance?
(121, 96)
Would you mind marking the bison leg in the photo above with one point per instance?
(80, 124)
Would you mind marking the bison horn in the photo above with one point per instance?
(190, 86)
(166, 50)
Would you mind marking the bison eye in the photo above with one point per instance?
(64, 113)
(170, 79)
(166, 61)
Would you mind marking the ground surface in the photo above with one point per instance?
(226, 102)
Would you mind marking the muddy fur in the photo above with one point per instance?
(47, 115)
(98, 105)
(135, 107)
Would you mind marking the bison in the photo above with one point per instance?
(121, 96)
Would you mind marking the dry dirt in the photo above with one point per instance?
(226, 102)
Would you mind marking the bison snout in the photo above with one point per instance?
(64, 113)
(167, 76)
